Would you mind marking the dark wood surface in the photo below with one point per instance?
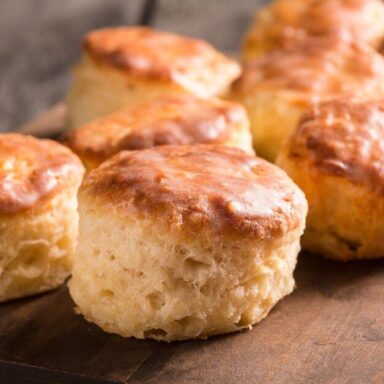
(330, 330)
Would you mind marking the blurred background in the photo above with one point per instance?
(41, 39)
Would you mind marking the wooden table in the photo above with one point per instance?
(330, 330)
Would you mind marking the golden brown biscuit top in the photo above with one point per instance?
(344, 138)
(31, 169)
(286, 20)
(172, 119)
(150, 53)
(319, 67)
(204, 187)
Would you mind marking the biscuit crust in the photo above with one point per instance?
(344, 139)
(336, 157)
(185, 242)
(126, 65)
(279, 87)
(221, 189)
(285, 22)
(32, 170)
(172, 119)
(39, 180)
(318, 67)
(148, 53)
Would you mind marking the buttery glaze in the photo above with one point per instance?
(149, 53)
(217, 188)
(320, 67)
(31, 169)
(345, 139)
(285, 21)
(173, 119)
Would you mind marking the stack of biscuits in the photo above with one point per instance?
(163, 199)
(313, 86)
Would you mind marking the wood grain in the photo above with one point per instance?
(47, 124)
(330, 330)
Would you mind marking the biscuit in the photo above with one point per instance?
(279, 87)
(337, 157)
(38, 214)
(126, 65)
(170, 119)
(284, 22)
(180, 242)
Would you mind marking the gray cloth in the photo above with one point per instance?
(40, 40)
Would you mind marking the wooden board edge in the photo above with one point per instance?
(49, 123)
